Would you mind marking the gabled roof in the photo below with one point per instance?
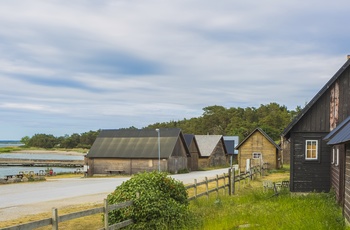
(189, 139)
(263, 133)
(135, 143)
(340, 134)
(207, 144)
(315, 98)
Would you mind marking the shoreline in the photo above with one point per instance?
(61, 152)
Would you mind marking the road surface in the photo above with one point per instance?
(21, 199)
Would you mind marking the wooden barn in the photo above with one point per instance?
(132, 151)
(193, 148)
(258, 149)
(339, 140)
(311, 159)
(212, 150)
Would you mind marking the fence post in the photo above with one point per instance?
(207, 186)
(106, 214)
(54, 219)
(217, 185)
(224, 183)
(195, 188)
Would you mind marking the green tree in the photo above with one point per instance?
(43, 141)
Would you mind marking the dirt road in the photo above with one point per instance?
(22, 199)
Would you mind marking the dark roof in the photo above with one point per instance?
(264, 134)
(135, 143)
(230, 143)
(340, 134)
(188, 138)
(315, 98)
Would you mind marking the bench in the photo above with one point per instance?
(115, 171)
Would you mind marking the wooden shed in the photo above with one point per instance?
(132, 151)
(258, 149)
(193, 148)
(339, 140)
(212, 150)
(310, 156)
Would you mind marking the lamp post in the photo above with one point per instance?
(158, 131)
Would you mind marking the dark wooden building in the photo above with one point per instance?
(193, 148)
(132, 151)
(310, 156)
(339, 140)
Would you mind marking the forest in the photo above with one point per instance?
(215, 120)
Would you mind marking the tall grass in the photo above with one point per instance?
(256, 209)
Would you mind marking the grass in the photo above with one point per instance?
(249, 208)
(258, 210)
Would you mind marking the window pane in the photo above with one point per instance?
(311, 149)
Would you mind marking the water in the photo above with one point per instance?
(12, 170)
(38, 156)
(10, 143)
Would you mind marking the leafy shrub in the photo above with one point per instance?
(160, 202)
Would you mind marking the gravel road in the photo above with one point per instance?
(17, 200)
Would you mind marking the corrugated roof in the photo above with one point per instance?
(138, 143)
(264, 134)
(207, 143)
(315, 98)
(340, 134)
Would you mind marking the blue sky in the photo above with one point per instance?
(73, 66)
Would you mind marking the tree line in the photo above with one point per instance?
(215, 120)
(218, 120)
(76, 140)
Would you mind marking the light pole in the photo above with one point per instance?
(158, 131)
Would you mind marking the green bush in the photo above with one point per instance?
(160, 202)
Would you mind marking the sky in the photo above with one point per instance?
(74, 66)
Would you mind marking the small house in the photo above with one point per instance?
(131, 151)
(212, 150)
(258, 149)
(311, 167)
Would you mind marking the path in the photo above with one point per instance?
(22, 199)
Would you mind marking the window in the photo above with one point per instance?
(337, 158)
(256, 155)
(311, 150)
(333, 155)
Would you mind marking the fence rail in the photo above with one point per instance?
(55, 219)
(229, 181)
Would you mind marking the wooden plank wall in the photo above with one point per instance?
(308, 176)
(346, 209)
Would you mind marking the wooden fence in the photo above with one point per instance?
(55, 219)
(229, 181)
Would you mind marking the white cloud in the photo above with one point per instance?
(87, 65)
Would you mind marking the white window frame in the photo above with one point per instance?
(333, 155)
(306, 149)
(337, 159)
(256, 154)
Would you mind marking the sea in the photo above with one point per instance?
(13, 170)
